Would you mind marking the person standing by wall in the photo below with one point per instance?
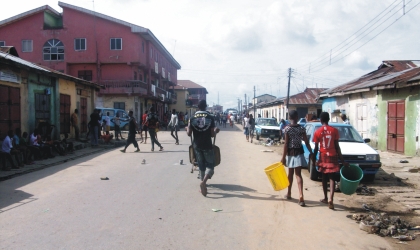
(344, 118)
(94, 128)
(202, 126)
(75, 123)
(293, 157)
(173, 124)
(132, 130)
(107, 123)
(152, 122)
(8, 151)
(326, 140)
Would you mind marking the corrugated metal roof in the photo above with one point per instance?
(308, 96)
(146, 33)
(21, 61)
(388, 73)
(189, 85)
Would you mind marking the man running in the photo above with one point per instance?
(173, 124)
(203, 127)
(330, 152)
(132, 128)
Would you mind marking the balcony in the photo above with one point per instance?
(197, 97)
(123, 87)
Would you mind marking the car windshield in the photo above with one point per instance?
(267, 122)
(347, 133)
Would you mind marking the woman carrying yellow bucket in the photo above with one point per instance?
(293, 157)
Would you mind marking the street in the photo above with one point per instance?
(157, 205)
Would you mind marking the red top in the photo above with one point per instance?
(326, 135)
(143, 118)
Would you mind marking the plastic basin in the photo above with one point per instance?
(350, 178)
(277, 176)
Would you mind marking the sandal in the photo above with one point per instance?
(301, 202)
(330, 205)
(323, 201)
(161, 149)
(288, 197)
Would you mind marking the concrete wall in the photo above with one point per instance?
(412, 120)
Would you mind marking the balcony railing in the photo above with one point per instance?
(124, 87)
(197, 97)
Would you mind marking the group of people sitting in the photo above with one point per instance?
(27, 148)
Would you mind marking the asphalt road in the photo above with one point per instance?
(157, 205)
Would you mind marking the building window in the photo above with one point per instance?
(135, 75)
(151, 53)
(53, 50)
(2, 43)
(80, 44)
(27, 45)
(119, 105)
(85, 74)
(116, 43)
(142, 46)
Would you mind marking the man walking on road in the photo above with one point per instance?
(173, 124)
(132, 128)
(152, 122)
(203, 127)
(75, 123)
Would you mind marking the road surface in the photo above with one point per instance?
(157, 205)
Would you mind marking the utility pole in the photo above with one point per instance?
(246, 105)
(288, 93)
(254, 102)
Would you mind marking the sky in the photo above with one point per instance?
(230, 46)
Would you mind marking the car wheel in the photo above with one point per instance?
(313, 173)
(369, 178)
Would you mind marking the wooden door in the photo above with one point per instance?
(42, 108)
(362, 120)
(396, 125)
(64, 114)
(9, 109)
(83, 115)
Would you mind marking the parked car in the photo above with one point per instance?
(112, 113)
(267, 127)
(302, 121)
(354, 149)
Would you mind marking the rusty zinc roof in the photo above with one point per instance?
(388, 74)
(182, 84)
(308, 96)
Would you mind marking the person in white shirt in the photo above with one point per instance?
(173, 124)
(344, 118)
(8, 150)
(246, 127)
(108, 123)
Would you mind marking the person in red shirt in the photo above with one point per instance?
(144, 127)
(326, 141)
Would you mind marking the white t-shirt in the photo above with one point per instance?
(108, 121)
(33, 140)
(246, 122)
(174, 120)
(7, 145)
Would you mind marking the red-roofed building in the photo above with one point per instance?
(135, 68)
(188, 95)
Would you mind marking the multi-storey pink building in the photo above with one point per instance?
(135, 68)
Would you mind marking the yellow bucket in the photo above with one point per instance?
(277, 176)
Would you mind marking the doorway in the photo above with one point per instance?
(396, 125)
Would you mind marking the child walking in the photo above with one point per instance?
(326, 140)
(293, 157)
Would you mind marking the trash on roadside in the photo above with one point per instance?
(46, 210)
(181, 162)
(104, 178)
(384, 225)
(143, 161)
(403, 161)
(364, 190)
(365, 207)
(216, 210)
(267, 150)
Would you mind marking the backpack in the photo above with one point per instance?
(152, 121)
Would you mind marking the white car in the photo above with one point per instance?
(268, 128)
(354, 149)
